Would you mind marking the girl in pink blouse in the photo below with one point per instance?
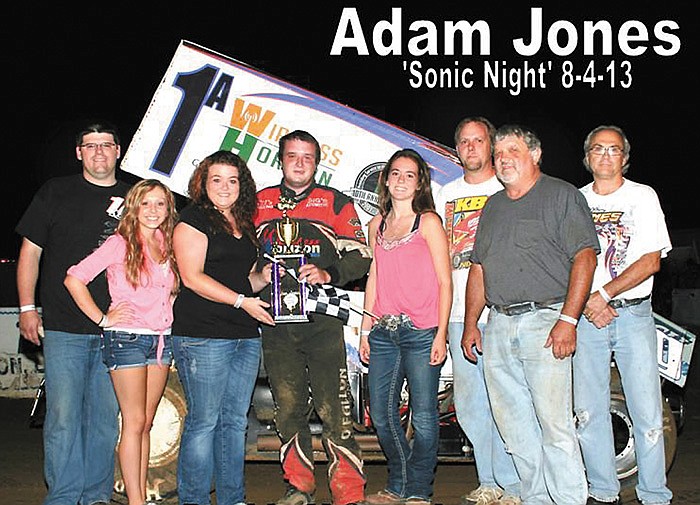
(143, 281)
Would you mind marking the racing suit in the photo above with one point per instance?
(309, 357)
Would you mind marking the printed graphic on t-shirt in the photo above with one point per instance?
(614, 239)
(116, 207)
(461, 220)
(114, 214)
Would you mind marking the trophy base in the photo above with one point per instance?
(292, 319)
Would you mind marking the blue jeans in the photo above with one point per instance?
(125, 350)
(218, 377)
(80, 428)
(531, 399)
(494, 466)
(395, 355)
(631, 337)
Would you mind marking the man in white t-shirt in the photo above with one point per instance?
(459, 202)
(618, 320)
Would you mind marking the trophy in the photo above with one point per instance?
(288, 293)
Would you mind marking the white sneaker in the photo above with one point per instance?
(482, 496)
(509, 500)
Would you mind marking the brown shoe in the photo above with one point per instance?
(384, 497)
(295, 497)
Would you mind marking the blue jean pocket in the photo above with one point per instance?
(119, 337)
(641, 310)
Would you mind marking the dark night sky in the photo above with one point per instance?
(63, 64)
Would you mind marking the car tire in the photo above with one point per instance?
(625, 457)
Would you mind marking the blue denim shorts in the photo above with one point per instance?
(122, 350)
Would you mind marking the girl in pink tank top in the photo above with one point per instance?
(409, 294)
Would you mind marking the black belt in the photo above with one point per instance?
(515, 309)
(627, 302)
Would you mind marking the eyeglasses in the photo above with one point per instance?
(105, 146)
(612, 151)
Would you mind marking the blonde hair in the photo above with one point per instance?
(128, 228)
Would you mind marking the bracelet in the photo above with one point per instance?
(27, 308)
(604, 295)
(104, 321)
(239, 301)
(568, 319)
(364, 333)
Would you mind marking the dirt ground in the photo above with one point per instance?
(21, 458)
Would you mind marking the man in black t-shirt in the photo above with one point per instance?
(67, 219)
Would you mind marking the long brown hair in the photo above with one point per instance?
(423, 198)
(135, 260)
(246, 205)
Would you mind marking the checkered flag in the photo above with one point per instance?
(325, 299)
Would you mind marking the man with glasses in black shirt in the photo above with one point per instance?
(67, 219)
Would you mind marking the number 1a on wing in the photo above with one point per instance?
(198, 89)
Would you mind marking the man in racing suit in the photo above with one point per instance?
(309, 357)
